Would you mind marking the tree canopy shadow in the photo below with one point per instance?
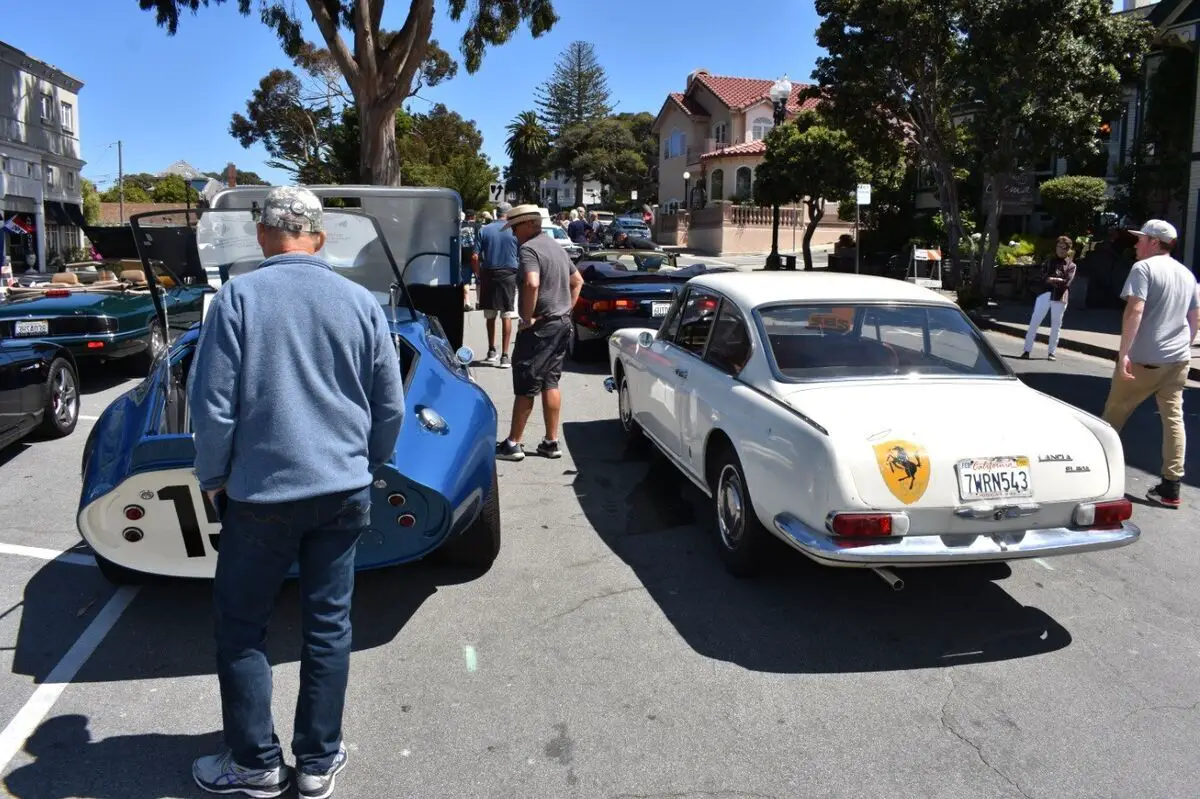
(798, 617)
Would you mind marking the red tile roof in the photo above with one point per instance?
(741, 93)
(758, 147)
(689, 105)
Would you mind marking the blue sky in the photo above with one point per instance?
(170, 98)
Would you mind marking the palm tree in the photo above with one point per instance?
(527, 145)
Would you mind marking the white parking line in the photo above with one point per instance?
(1044, 564)
(77, 558)
(83, 418)
(23, 725)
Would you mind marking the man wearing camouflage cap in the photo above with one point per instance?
(296, 400)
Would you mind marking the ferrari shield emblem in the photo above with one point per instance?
(905, 469)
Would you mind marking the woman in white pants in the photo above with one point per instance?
(1057, 274)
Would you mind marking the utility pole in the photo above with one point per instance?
(121, 180)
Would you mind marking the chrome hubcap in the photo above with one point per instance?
(623, 404)
(64, 398)
(730, 507)
(157, 341)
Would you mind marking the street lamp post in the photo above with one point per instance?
(687, 197)
(780, 92)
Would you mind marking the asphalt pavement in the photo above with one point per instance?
(607, 653)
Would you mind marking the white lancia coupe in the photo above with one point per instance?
(866, 422)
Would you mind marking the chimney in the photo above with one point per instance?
(230, 175)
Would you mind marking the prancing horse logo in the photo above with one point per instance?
(904, 467)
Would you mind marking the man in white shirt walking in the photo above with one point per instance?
(1161, 313)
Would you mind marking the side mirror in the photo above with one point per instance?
(645, 338)
(465, 355)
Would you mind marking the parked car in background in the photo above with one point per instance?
(624, 288)
(39, 390)
(105, 315)
(840, 414)
(558, 234)
(630, 226)
(140, 507)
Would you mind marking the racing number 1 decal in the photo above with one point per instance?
(189, 525)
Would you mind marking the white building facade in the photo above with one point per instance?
(40, 160)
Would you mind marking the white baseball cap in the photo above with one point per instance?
(1158, 229)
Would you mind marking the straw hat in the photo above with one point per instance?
(523, 213)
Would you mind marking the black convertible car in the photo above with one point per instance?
(624, 288)
(39, 390)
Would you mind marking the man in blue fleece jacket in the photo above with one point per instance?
(296, 399)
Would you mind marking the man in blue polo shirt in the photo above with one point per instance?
(498, 282)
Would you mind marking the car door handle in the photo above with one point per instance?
(681, 372)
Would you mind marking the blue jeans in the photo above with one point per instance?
(259, 545)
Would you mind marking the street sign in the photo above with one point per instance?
(864, 193)
(496, 192)
(633, 195)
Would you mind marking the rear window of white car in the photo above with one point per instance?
(848, 340)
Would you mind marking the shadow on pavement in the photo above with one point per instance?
(68, 763)
(798, 617)
(1142, 435)
(167, 631)
(97, 377)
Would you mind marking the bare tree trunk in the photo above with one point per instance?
(579, 191)
(948, 193)
(379, 163)
(985, 280)
(816, 212)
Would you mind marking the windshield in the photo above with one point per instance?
(555, 232)
(849, 340)
(227, 241)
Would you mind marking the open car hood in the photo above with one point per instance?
(227, 241)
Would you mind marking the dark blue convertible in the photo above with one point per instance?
(141, 508)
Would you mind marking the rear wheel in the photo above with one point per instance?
(156, 343)
(61, 412)
(479, 545)
(741, 538)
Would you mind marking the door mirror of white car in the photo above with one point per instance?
(645, 338)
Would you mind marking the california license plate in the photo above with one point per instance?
(39, 327)
(659, 308)
(994, 478)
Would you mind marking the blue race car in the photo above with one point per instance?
(141, 509)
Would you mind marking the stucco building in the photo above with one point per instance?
(40, 158)
(715, 130)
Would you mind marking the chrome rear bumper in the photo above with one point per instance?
(935, 550)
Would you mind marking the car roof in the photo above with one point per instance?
(751, 289)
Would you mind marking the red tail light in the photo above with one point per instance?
(1104, 515)
(406, 520)
(862, 525)
(57, 293)
(134, 512)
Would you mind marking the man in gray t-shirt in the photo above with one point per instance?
(1159, 324)
(549, 285)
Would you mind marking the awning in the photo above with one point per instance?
(16, 204)
(75, 214)
(55, 215)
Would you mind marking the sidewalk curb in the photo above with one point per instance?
(1095, 350)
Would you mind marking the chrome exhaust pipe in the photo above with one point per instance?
(890, 577)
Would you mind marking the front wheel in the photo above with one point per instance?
(479, 545)
(61, 411)
(633, 430)
(741, 538)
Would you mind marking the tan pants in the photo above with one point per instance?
(1166, 383)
